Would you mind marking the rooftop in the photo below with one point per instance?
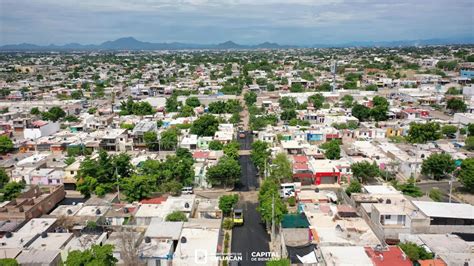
(446, 210)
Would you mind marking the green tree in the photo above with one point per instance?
(332, 150)
(282, 169)
(296, 87)
(6, 144)
(172, 104)
(151, 140)
(11, 190)
(365, 171)
(361, 112)
(288, 114)
(409, 188)
(438, 165)
(354, 187)
(227, 203)
(193, 102)
(470, 129)
(466, 174)
(269, 193)
(324, 87)
(92, 110)
(347, 101)
(53, 114)
(287, 103)
(415, 252)
(76, 95)
(71, 118)
(169, 139)
(469, 143)
(250, 98)
(176, 216)
(231, 150)
(137, 187)
(316, 100)
(35, 111)
(173, 187)
(96, 255)
(259, 154)
(421, 133)
(69, 160)
(216, 145)
(453, 91)
(225, 173)
(8, 262)
(186, 111)
(4, 178)
(456, 105)
(449, 130)
(205, 125)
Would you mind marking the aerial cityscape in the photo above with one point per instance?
(232, 133)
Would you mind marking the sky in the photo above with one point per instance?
(297, 22)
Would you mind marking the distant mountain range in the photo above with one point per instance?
(130, 43)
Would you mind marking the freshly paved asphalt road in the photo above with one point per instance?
(252, 235)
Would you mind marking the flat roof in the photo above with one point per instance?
(52, 241)
(160, 229)
(199, 248)
(37, 257)
(354, 256)
(37, 226)
(381, 189)
(446, 210)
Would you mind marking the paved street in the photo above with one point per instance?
(252, 235)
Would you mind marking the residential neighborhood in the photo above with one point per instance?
(297, 156)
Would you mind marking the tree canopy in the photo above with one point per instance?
(281, 169)
(96, 255)
(365, 171)
(205, 125)
(225, 173)
(227, 203)
(6, 144)
(421, 133)
(466, 174)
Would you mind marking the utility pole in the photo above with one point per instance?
(118, 184)
(273, 216)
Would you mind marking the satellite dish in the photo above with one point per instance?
(44, 235)
(8, 234)
(186, 205)
(183, 240)
(97, 212)
(147, 239)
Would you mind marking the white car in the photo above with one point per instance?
(187, 190)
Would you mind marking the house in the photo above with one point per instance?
(189, 142)
(40, 129)
(139, 131)
(203, 142)
(114, 140)
(32, 203)
(120, 214)
(36, 257)
(388, 256)
(345, 255)
(198, 243)
(46, 176)
(325, 171)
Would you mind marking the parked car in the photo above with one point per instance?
(187, 190)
